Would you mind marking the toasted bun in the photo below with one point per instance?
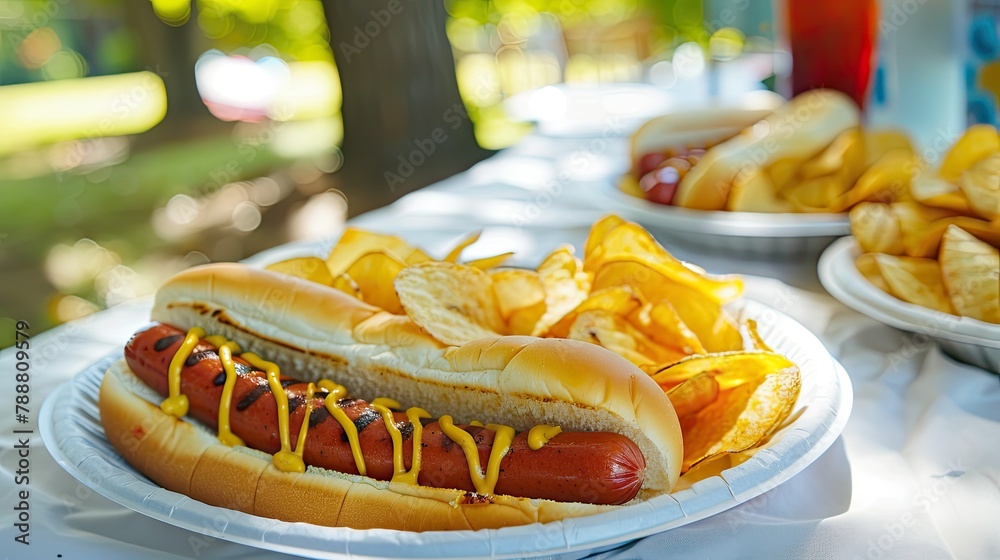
(698, 128)
(797, 130)
(316, 331)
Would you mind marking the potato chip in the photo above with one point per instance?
(880, 142)
(783, 172)
(452, 302)
(694, 394)
(566, 285)
(373, 274)
(876, 228)
(661, 323)
(914, 219)
(628, 242)
(914, 280)
(347, 285)
(704, 316)
(883, 182)
(981, 186)
(939, 193)
(929, 240)
(868, 268)
(487, 263)
(816, 194)
(845, 156)
(756, 192)
(309, 268)
(613, 332)
(740, 417)
(971, 275)
(729, 368)
(619, 300)
(751, 337)
(356, 242)
(457, 251)
(978, 142)
(598, 231)
(520, 298)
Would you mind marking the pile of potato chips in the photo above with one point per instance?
(627, 294)
(858, 165)
(936, 245)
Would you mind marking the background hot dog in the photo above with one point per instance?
(590, 467)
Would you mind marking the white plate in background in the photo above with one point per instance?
(964, 338)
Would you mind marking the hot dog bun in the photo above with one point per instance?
(797, 130)
(316, 332)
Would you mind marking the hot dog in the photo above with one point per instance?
(588, 467)
(231, 338)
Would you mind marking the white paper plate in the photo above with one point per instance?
(965, 339)
(71, 429)
(746, 234)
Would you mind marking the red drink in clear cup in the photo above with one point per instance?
(832, 44)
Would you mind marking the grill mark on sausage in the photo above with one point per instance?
(252, 396)
(406, 430)
(241, 369)
(362, 421)
(196, 357)
(318, 416)
(166, 342)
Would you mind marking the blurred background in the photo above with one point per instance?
(139, 138)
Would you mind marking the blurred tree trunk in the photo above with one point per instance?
(171, 52)
(404, 123)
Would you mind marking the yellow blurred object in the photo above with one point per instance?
(978, 142)
(883, 181)
(914, 220)
(46, 112)
(868, 268)
(878, 143)
(971, 272)
(914, 280)
(981, 186)
(755, 192)
(876, 228)
(939, 193)
(172, 12)
(845, 156)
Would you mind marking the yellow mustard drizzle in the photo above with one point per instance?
(300, 444)
(539, 435)
(386, 402)
(284, 459)
(484, 482)
(336, 390)
(477, 424)
(413, 414)
(226, 350)
(349, 428)
(177, 403)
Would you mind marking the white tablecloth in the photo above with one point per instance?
(916, 473)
